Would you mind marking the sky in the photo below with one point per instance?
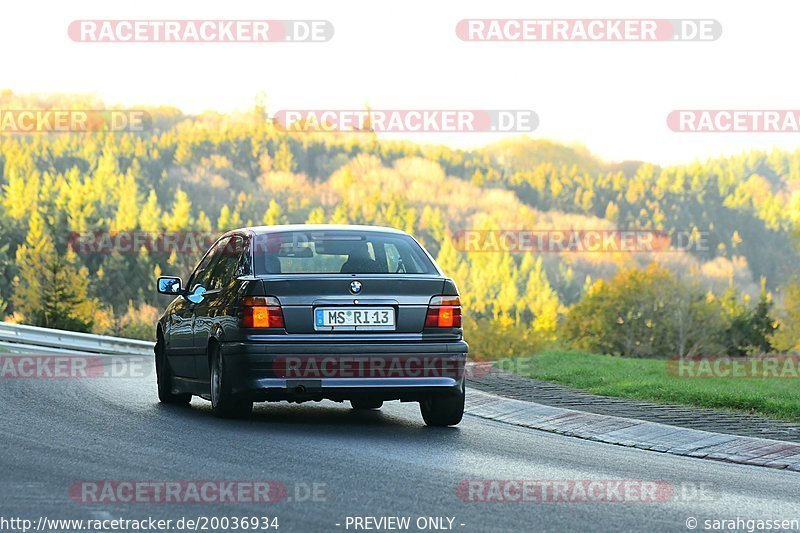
(612, 97)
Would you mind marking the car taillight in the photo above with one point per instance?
(444, 312)
(261, 312)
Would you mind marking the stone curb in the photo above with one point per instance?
(635, 433)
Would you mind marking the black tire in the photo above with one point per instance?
(223, 403)
(366, 404)
(164, 378)
(443, 410)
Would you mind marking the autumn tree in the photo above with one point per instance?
(316, 216)
(787, 336)
(644, 313)
(274, 214)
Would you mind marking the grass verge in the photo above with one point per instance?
(650, 380)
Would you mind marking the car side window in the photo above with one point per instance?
(230, 255)
(245, 266)
(202, 274)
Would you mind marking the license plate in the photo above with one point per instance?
(357, 318)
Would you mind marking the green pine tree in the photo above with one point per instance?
(50, 291)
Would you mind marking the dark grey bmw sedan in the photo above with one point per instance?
(311, 312)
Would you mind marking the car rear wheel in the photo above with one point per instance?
(223, 403)
(164, 378)
(443, 410)
(366, 404)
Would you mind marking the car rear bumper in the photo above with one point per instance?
(301, 371)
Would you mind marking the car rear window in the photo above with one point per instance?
(339, 252)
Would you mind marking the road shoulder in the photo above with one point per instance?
(636, 433)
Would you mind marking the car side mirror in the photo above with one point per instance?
(170, 285)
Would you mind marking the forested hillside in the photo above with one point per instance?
(214, 172)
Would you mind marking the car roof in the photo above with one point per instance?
(261, 230)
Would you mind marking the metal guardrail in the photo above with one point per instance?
(17, 338)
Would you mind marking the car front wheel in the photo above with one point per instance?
(223, 403)
(443, 410)
(164, 378)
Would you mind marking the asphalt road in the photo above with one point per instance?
(59, 432)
